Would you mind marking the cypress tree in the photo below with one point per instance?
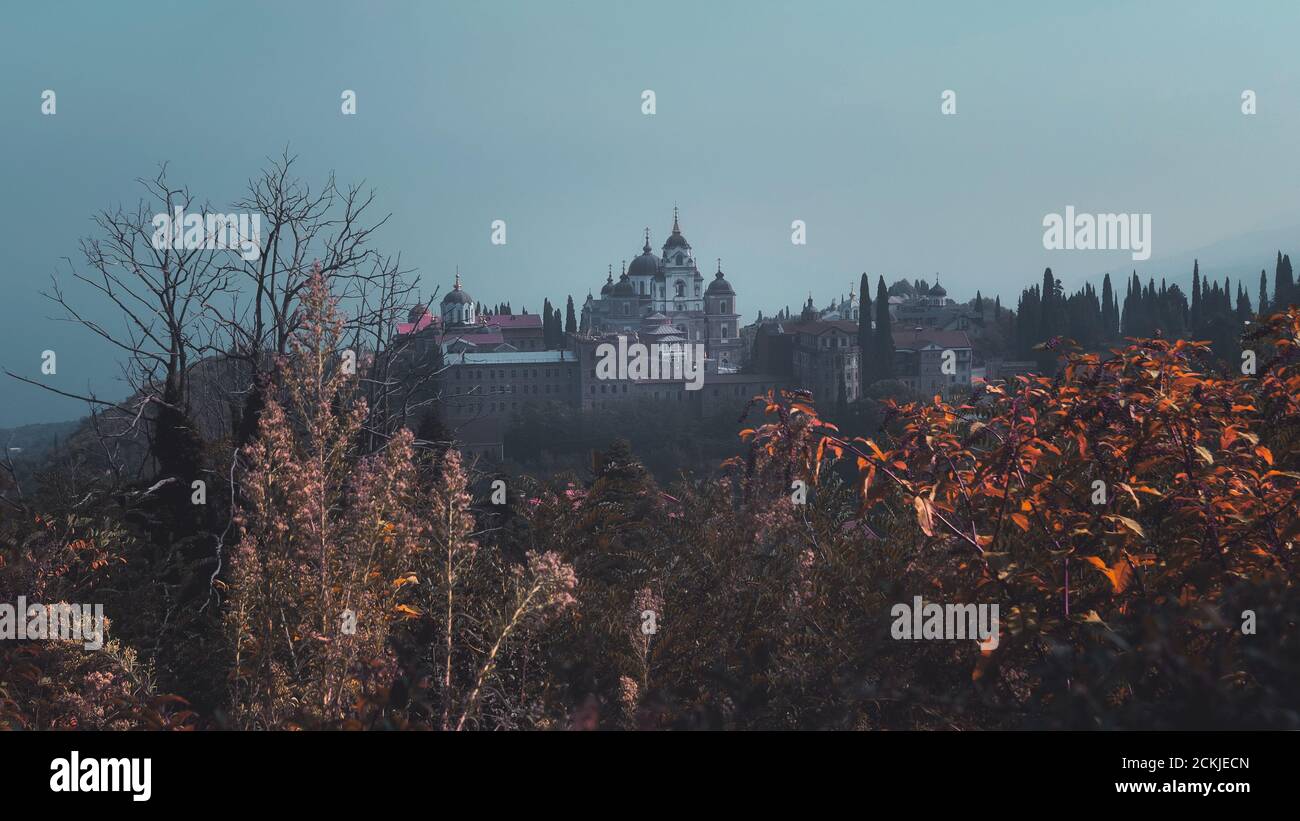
(1282, 283)
(570, 318)
(884, 336)
(866, 371)
(1284, 295)
(548, 325)
(1196, 294)
(1108, 325)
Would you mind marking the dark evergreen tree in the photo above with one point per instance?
(1284, 288)
(570, 317)
(1263, 293)
(548, 326)
(1109, 312)
(1029, 316)
(866, 369)
(1196, 293)
(883, 350)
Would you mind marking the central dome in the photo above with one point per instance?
(645, 265)
(675, 239)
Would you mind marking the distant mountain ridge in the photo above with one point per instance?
(1241, 258)
(38, 438)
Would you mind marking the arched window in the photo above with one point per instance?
(681, 288)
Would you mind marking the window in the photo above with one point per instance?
(680, 287)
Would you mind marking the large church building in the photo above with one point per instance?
(667, 291)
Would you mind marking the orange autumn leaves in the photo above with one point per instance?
(1133, 467)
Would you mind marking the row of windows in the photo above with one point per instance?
(525, 389)
(547, 373)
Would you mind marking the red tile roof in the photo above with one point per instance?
(425, 321)
(476, 338)
(818, 327)
(515, 320)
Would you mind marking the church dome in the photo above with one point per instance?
(608, 287)
(624, 287)
(938, 290)
(645, 265)
(456, 296)
(675, 239)
(719, 286)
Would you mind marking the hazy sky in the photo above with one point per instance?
(766, 112)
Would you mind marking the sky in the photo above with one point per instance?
(766, 113)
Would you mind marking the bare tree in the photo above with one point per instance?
(157, 292)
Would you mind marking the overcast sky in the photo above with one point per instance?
(766, 113)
